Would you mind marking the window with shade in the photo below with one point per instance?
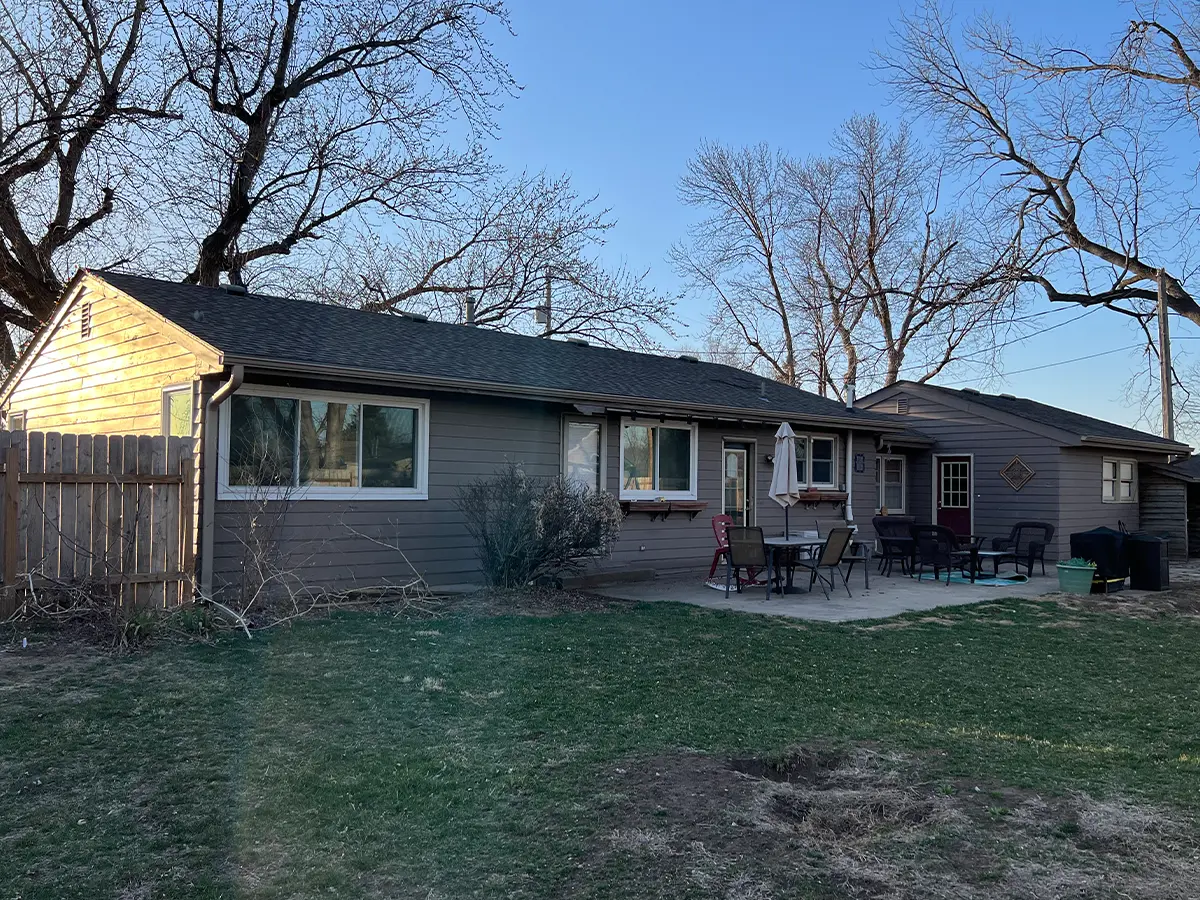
(889, 475)
(658, 460)
(583, 452)
(299, 446)
(816, 461)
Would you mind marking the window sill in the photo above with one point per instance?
(663, 508)
(311, 493)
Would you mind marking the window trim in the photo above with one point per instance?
(624, 494)
(419, 491)
(13, 414)
(1133, 483)
(881, 464)
(166, 407)
(568, 421)
(807, 483)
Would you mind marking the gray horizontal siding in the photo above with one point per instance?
(335, 543)
(1162, 506)
(1081, 496)
(997, 507)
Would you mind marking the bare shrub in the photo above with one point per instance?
(530, 528)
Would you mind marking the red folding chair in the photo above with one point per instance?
(719, 524)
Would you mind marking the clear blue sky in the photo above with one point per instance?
(619, 94)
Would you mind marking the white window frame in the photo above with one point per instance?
(808, 483)
(1118, 461)
(166, 407)
(12, 414)
(624, 494)
(587, 420)
(419, 491)
(881, 463)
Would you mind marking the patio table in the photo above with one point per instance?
(780, 542)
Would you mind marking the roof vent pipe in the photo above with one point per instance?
(850, 395)
(470, 311)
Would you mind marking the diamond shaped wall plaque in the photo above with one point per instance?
(1016, 473)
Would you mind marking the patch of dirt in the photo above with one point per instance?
(531, 601)
(1182, 601)
(860, 823)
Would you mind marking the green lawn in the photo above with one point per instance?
(370, 756)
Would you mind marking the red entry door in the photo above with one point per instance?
(954, 493)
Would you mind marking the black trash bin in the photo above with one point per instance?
(1148, 566)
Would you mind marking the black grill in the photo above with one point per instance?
(1106, 548)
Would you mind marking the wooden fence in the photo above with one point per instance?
(107, 513)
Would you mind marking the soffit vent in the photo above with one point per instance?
(902, 406)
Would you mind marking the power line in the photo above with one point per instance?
(1063, 362)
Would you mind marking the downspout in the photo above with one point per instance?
(849, 477)
(208, 491)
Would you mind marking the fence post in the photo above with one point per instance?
(12, 466)
(187, 499)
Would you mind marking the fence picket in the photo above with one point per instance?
(111, 509)
(67, 505)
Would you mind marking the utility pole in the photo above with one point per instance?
(1164, 359)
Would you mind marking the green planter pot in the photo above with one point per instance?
(1075, 579)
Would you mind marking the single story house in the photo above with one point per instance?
(996, 459)
(356, 429)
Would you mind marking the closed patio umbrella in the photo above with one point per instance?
(785, 485)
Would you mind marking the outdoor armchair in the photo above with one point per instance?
(937, 547)
(1027, 543)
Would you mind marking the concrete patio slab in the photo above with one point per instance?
(885, 598)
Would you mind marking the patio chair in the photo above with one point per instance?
(895, 542)
(1026, 543)
(829, 560)
(937, 546)
(719, 526)
(746, 551)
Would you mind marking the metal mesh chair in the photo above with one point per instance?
(746, 551)
(829, 560)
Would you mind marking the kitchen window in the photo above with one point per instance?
(583, 452)
(658, 461)
(816, 456)
(890, 475)
(1119, 483)
(297, 445)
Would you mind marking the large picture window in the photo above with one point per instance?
(816, 461)
(658, 460)
(297, 445)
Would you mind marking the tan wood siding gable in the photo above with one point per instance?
(109, 380)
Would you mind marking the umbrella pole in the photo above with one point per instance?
(787, 531)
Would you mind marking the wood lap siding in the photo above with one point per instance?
(997, 507)
(468, 438)
(1162, 505)
(1081, 492)
(110, 382)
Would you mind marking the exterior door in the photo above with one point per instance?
(954, 493)
(737, 478)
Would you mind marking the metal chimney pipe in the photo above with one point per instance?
(850, 395)
(470, 311)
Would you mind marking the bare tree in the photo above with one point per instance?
(1073, 148)
(261, 140)
(488, 258)
(844, 269)
(74, 96)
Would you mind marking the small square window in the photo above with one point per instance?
(1118, 481)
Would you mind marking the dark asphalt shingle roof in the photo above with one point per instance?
(1189, 467)
(1055, 417)
(281, 330)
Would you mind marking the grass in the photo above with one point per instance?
(369, 756)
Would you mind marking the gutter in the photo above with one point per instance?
(643, 405)
(208, 488)
(1165, 449)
